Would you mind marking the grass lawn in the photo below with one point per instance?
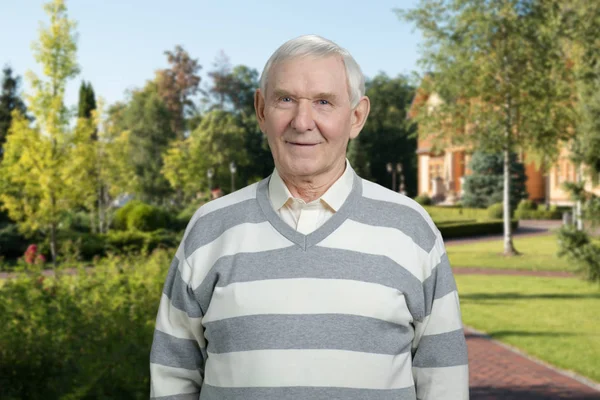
(552, 319)
(538, 254)
(445, 214)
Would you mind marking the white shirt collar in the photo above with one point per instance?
(334, 197)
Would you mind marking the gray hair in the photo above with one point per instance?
(317, 46)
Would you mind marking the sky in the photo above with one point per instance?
(122, 42)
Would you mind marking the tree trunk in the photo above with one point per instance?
(578, 205)
(509, 248)
(53, 243)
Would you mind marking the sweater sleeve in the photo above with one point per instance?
(439, 349)
(178, 353)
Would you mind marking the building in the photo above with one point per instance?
(441, 174)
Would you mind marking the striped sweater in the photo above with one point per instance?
(364, 307)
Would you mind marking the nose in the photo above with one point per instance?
(303, 120)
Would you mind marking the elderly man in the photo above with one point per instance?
(313, 283)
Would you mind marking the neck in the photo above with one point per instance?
(312, 188)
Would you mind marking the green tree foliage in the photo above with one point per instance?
(579, 24)
(233, 90)
(9, 101)
(387, 136)
(499, 67)
(485, 186)
(87, 100)
(101, 167)
(216, 142)
(148, 120)
(35, 188)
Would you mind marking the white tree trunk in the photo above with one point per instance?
(508, 243)
(578, 205)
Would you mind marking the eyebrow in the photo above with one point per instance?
(323, 95)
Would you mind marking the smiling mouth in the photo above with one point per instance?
(303, 144)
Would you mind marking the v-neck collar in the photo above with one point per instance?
(306, 241)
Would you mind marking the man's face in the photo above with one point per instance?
(306, 115)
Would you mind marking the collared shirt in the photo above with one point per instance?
(307, 217)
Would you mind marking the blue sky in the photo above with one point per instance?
(121, 42)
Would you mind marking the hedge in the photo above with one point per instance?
(538, 214)
(117, 242)
(457, 230)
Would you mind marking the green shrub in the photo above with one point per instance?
(495, 211)
(541, 213)
(84, 336)
(88, 245)
(122, 242)
(527, 205)
(147, 218)
(136, 241)
(577, 247)
(119, 221)
(458, 230)
(424, 200)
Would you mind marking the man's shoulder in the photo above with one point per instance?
(378, 193)
(239, 198)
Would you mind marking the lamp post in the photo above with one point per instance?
(402, 188)
(232, 169)
(209, 174)
(393, 169)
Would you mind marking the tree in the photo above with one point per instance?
(579, 38)
(35, 188)
(233, 90)
(485, 186)
(216, 142)
(501, 72)
(100, 167)
(87, 100)
(148, 121)
(9, 101)
(387, 136)
(222, 80)
(177, 84)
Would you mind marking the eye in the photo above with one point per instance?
(286, 99)
(324, 102)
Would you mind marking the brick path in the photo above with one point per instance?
(498, 372)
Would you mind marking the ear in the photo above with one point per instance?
(259, 108)
(359, 116)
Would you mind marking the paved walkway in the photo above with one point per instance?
(499, 372)
(526, 228)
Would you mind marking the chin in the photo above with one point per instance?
(303, 168)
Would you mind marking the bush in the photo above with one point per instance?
(136, 241)
(552, 213)
(84, 336)
(119, 221)
(579, 249)
(424, 200)
(496, 211)
(458, 230)
(527, 205)
(147, 218)
(88, 245)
